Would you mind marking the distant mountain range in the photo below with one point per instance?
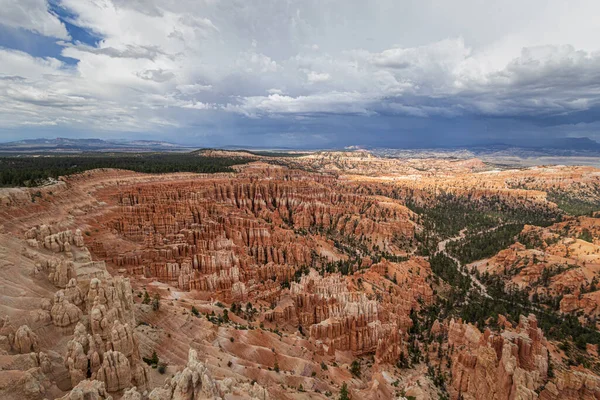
(65, 145)
(567, 151)
(564, 147)
(583, 144)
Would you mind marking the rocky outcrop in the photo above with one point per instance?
(86, 356)
(252, 391)
(510, 365)
(25, 341)
(122, 339)
(339, 315)
(71, 259)
(51, 237)
(73, 293)
(88, 390)
(193, 383)
(115, 371)
(63, 313)
(572, 384)
(31, 384)
(196, 383)
(60, 271)
(588, 303)
(108, 301)
(83, 355)
(554, 265)
(132, 394)
(216, 236)
(109, 351)
(26, 361)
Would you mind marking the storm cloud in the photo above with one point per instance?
(301, 73)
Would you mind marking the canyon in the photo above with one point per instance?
(308, 276)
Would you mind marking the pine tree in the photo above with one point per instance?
(355, 368)
(344, 395)
(225, 316)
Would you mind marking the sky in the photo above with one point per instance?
(301, 73)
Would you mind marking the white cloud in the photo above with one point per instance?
(332, 102)
(20, 64)
(318, 77)
(253, 62)
(32, 15)
(193, 88)
(182, 63)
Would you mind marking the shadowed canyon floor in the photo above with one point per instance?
(318, 276)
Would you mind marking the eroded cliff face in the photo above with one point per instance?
(575, 383)
(274, 283)
(227, 237)
(89, 304)
(195, 382)
(107, 348)
(509, 365)
(512, 364)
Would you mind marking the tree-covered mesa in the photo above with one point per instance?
(35, 170)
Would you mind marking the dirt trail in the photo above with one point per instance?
(461, 268)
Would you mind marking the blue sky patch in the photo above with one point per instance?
(78, 34)
(32, 43)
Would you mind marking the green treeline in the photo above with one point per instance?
(36, 170)
(574, 205)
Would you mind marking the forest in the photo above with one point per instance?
(449, 214)
(475, 247)
(574, 205)
(35, 170)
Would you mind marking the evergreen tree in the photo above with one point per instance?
(355, 368)
(344, 395)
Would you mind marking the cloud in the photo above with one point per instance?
(32, 15)
(253, 62)
(318, 77)
(302, 65)
(128, 51)
(328, 103)
(442, 56)
(156, 75)
(194, 88)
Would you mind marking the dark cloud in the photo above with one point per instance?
(303, 72)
